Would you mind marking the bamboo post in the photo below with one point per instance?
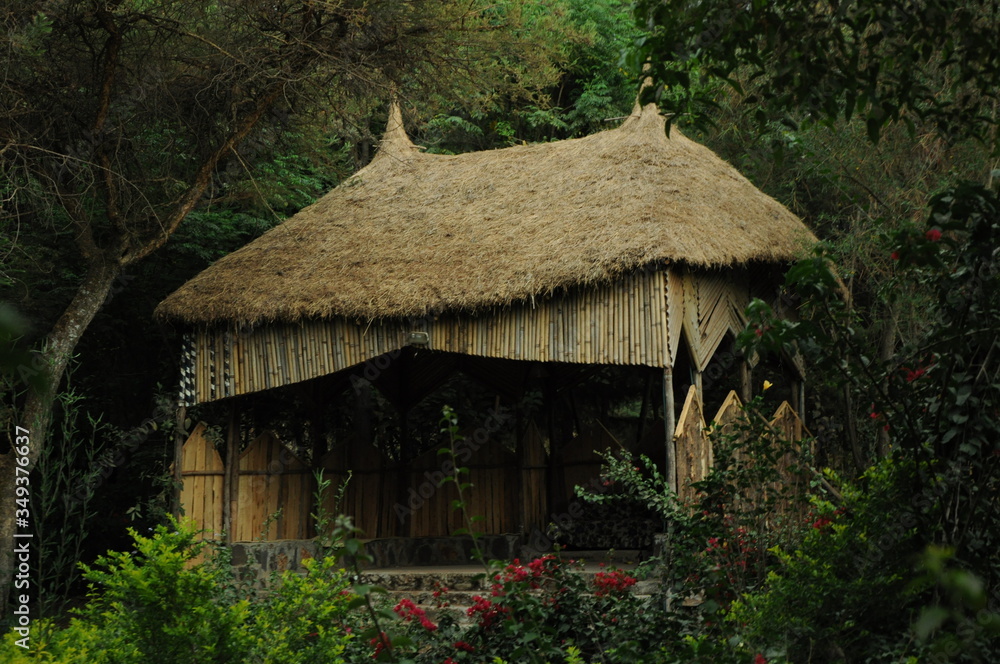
(180, 437)
(802, 401)
(746, 385)
(231, 481)
(669, 424)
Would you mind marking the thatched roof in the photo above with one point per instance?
(414, 233)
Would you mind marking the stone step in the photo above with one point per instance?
(424, 585)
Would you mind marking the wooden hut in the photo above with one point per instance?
(627, 247)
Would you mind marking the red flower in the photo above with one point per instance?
(462, 645)
(933, 235)
(407, 610)
(913, 374)
(487, 611)
(894, 255)
(822, 523)
(616, 581)
(381, 642)
(759, 659)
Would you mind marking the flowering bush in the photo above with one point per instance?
(542, 611)
(615, 581)
(853, 590)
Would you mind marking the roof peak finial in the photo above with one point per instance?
(394, 139)
(647, 82)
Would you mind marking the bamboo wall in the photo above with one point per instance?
(387, 499)
(713, 305)
(636, 320)
(532, 494)
(271, 478)
(383, 498)
(693, 444)
(202, 476)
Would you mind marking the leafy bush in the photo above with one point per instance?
(150, 605)
(858, 587)
(157, 604)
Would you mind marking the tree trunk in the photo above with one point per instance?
(37, 414)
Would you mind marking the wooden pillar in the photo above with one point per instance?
(669, 424)
(180, 437)
(696, 379)
(802, 401)
(746, 382)
(231, 481)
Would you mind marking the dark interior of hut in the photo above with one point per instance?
(393, 405)
(537, 430)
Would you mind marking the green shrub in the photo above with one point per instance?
(305, 619)
(156, 604)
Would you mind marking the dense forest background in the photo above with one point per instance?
(91, 88)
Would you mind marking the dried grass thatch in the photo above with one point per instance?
(414, 233)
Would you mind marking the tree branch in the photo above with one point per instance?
(112, 49)
(203, 176)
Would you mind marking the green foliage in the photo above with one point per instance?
(62, 514)
(158, 604)
(148, 605)
(935, 404)
(719, 545)
(885, 61)
(586, 91)
(839, 594)
(449, 426)
(305, 619)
